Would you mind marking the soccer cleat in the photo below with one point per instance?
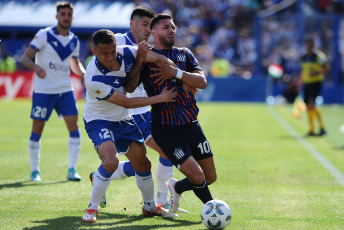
(175, 197)
(311, 134)
(90, 215)
(102, 203)
(168, 206)
(322, 132)
(35, 176)
(159, 211)
(72, 175)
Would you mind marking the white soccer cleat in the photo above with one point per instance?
(175, 197)
(159, 211)
(90, 215)
(168, 206)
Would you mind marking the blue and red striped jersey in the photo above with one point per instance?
(184, 110)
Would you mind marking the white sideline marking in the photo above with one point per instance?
(311, 149)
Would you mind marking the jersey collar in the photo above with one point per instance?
(130, 37)
(57, 32)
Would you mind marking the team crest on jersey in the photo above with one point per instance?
(35, 37)
(72, 46)
(178, 153)
(128, 67)
(181, 57)
(98, 91)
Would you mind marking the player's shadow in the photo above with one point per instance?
(21, 184)
(72, 222)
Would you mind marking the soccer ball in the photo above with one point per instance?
(216, 214)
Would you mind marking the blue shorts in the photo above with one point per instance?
(181, 142)
(121, 133)
(144, 122)
(43, 105)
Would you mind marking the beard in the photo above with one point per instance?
(64, 26)
(164, 41)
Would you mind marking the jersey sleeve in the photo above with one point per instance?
(77, 49)
(192, 63)
(120, 39)
(39, 40)
(99, 90)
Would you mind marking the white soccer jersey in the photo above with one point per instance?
(101, 83)
(54, 52)
(128, 39)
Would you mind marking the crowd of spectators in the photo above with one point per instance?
(221, 33)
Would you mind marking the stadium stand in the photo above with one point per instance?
(216, 29)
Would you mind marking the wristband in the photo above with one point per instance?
(179, 74)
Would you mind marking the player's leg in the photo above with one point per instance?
(42, 107)
(66, 107)
(317, 111)
(310, 102)
(35, 148)
(108, 155)
(164, 170)
(209, 170)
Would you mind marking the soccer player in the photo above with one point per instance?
(56, 51)
(314, 66)
(175, 127)
(108, 121)
(141, 18)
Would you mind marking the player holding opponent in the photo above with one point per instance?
(140, 20)
(175, 127)
(108, 122)
(56, 49)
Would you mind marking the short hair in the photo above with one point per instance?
(159, 17)
(142, 11)
(103, 36)
(63, 5)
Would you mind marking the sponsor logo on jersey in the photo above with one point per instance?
(98, 91)
(58, 67)
(178, 153)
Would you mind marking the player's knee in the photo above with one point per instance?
(144, 165)
(211, 179)
(196, 178)
(111, 164)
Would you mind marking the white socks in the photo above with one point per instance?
(145, 183)
(74, 144)
(119, 174)
(100, 184)
(34, 150)
(163, 173)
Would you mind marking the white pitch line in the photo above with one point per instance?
(311, 149)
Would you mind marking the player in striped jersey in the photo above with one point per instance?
(175, 127)
(140, 20)
(108, 119)
(56, 50)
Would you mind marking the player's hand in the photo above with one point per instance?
(40, 71)
(142, 51)
(163, 72)
(189, 89)
(169, 95)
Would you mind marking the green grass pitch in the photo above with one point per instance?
(268, 173)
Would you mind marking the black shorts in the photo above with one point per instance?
(311, 91)
(181, 142)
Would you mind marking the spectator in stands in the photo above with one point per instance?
(56, 51)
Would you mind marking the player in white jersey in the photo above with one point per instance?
(108, 120)
(56, 51)
(140, 31)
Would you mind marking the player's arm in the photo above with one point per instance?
(77, 68)
(27, 61)
(194, 79)
(135, 102)
(144, 54)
